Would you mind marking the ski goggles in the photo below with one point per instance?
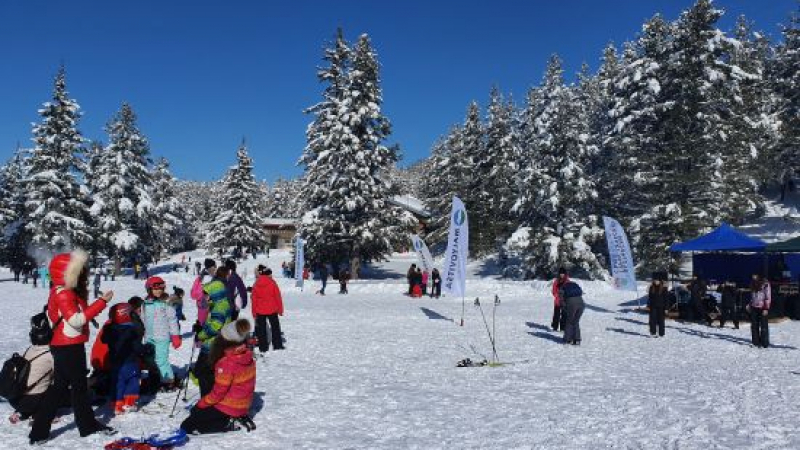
(158, 286)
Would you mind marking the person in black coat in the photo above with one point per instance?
(571, 296)
(657, 301)
(436, 283)
(698, 289)
(410, 276)
(729, 307)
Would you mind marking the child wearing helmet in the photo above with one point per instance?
(161, 328)
(125, 347)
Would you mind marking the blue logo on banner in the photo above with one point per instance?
(459, 217)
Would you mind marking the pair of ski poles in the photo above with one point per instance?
(491, 333)
(185, 385)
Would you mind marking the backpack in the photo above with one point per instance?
(41, 330)
(14, 376)
(571, 290)
(197, 292)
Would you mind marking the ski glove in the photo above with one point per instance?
(197, 327)
(176, 341)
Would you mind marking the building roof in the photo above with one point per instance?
(279, 222)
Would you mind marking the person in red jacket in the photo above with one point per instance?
(558, 317)
(234, 382)
(70, 314)
(267, 304)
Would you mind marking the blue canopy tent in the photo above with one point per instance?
(725, 254)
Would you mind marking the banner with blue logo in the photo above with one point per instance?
(619, 251)
(299, 260)
(424, 255)
(454, 267)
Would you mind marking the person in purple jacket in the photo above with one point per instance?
(237, 292)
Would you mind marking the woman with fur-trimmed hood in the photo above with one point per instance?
(69, 313)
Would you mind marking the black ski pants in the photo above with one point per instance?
(204, 374)
(436, 289)
(206, 420)
(274, 329)
(759, 327)
(558, 318)
(69, 378)
(728, 312)
(657, 320)
(573, 310)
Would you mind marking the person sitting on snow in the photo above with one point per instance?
(161, 328)
(234, 383)
(39, 377)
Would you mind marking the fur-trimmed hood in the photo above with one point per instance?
(65, 268)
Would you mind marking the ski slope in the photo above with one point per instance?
(376, 370)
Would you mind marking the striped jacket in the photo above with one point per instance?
(234, 383)
(220, 313)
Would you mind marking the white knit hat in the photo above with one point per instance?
(236, 331)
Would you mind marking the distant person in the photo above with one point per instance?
(344, 277)
(436, 286)
(699, 290)
(237, 292)
(267, 305)
(760, 302)
(96, 282)
(729, 304)
(410, 276)
(323, 278)
(657, 297)
(558, 319)
(572, 303)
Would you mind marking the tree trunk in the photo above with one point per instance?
(355, 265)
(117, 265)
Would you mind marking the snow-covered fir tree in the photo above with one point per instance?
(449, 176)
(786, 85)
(121, 186)
(284, 199)
(171, 231)
(56, 204)
(346, 164)
(13, 239)
(238, 222)
(557, 204)
(199, 202)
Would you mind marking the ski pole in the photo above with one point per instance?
(494, 333)
(463, 307)
(485, 323)
(185, 386)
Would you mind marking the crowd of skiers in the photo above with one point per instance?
(137, 337)
(30, 273)
(757, 302)
(419, 280)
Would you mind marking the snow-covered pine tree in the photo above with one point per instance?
(349, 216)
(786, 85)
(448, 177)
(198, 200)
(494, 188)
(56, 204)
(13, 239)
(562, 228)
(121, 186)
(238, 222)
(171, 232)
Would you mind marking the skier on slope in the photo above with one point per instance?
(220, 312)
(267, 304)
(237, 292)
(572, 307)
(161, 328)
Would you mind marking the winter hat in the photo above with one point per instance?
(154, 282)
(236, 331)
(209, 263)
(562, 271)
(178, 291)
(120, 313)
(65, 268)
(231, 265)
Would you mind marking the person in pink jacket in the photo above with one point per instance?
(267, 304)
(424, 282)
(234, 383)
(760, 302)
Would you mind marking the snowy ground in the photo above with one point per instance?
(376, 369)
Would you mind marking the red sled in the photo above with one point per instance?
(416, 291)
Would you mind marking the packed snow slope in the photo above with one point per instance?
(376, 370)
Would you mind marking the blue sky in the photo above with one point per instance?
(203, 74)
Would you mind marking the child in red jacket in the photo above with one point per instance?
(267, 304)
(230, 399)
